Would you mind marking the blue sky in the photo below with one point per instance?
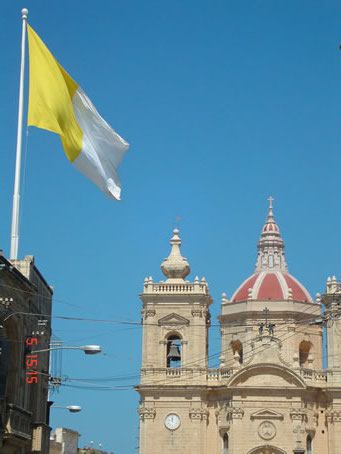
(223, 103)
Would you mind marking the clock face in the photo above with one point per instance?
(172, 421)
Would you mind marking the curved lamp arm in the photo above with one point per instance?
(87, 349)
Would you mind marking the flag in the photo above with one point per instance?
(57, 103)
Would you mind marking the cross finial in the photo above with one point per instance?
(270, 212)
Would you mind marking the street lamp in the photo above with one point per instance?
(91, 349)
(71, 408)
(56, 381)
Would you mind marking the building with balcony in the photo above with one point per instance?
(270, 393)
(25, 325)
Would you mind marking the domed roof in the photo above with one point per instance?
(271, 280)
(271, 285)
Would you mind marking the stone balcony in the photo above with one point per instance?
(317, 378)
(18, 423)
(218, 376)
(173, 376)
(181, 288)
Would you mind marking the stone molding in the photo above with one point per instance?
(333, 416)
(172, 320)
(200, 414)
(267, 414)
(178, 328)
(197, 312)
(235, 412)
(298, 414)
(146, 413)
(148, 313)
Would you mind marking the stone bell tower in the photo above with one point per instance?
(175, 318)
(332, 302)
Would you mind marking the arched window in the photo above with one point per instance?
(309, 445)
(174, 350)
(304, 351)
(237, 347)
(225, 444)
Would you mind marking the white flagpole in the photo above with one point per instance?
(16, 194)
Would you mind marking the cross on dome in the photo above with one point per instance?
(270, 212)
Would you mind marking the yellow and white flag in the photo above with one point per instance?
(58, 104)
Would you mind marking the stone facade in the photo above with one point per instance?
(270, 394)
(25, 300)
(64, 441)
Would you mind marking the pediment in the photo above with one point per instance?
(173, 319)
(266, 414)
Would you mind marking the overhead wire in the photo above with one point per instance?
(165, 381)
(192, 376)
(138, 325)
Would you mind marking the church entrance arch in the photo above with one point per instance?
(266, 449)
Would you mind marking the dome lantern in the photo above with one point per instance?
(271, 280)
(271, 245)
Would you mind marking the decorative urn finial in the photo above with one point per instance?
(175, 266)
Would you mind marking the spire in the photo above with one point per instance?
(270, 212)
(175, 266)
(271, 245)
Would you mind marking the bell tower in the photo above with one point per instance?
(332, 302)
(175, 320)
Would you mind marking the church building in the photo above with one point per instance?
(271, 393)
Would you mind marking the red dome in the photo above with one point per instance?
(271, 285)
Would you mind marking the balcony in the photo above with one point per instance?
(314, 377)
(178, 288)
(18, 423)
(217, 376)
(162, 375)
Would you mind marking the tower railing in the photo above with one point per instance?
(218, 376)
(178, 288)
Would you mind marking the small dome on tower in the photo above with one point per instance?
(175, 266)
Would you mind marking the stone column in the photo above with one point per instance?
(333, 420)
(236, 415)
(199, 417)
(147, 416)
